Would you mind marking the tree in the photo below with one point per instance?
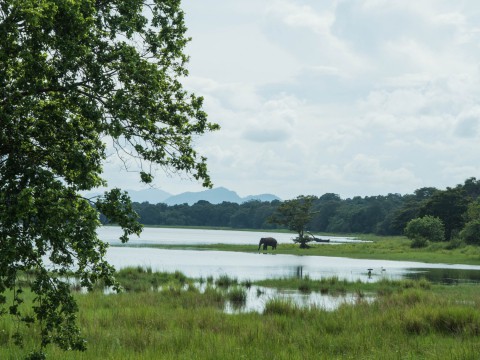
(325, 208)
(471, 232)
(473, 211)
(81, 80)
(410, 208)
(420, 230)
(471, 186)
(449, 205)
(295, 214)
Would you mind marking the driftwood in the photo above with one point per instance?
(318, 239)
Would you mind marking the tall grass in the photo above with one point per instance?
(409, 321)
(226, 281)
(237, 295)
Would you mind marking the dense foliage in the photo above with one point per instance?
(81, 80)
(424, 229)
(295, 215)
(383, 215)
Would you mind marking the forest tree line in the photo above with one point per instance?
(382, 214)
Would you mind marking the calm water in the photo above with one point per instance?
(257, 298)
(257, 266)
(172, 236)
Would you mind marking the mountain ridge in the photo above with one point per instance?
(213, 196)
(216, 196)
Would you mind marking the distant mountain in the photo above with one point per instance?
(216, 196)
(213, 196)
(153, 196)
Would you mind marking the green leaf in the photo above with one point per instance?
(75, 77)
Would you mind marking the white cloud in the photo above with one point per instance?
(297, 15)
(322, 48)
(239, 53)
(468, 123)
(350, 97)
(369, 171)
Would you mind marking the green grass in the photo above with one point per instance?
(226, 281)
(335, 286)
(237, 295)
(379, 247)
(409, 320)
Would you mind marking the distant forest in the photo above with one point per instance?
(382, 214)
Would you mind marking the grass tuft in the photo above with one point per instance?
(226, 281)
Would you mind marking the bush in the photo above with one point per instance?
(419, 242)
(426, 228)
(455, 243)
(471, 232)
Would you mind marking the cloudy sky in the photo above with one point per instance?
(354, 97)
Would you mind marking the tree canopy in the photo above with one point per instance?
(81, 80)
(295, 214)
(382, 214)
(427, 228)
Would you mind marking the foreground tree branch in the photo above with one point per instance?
(71, 78)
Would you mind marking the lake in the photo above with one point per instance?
(258, 266)
(174, 236)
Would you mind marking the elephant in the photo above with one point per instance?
(268, 241)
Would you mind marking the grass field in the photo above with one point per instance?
(408, 320)
(378, 247)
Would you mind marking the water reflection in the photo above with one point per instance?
(253, 266)
(258, 297)
(248, 266)
(299, 272)
(445, 276)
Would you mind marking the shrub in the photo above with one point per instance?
(455, 243)
(419, 242)
(471, 232)
(420, 230)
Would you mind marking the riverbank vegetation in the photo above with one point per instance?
(456, 207)
(174, 320)
(373, 247)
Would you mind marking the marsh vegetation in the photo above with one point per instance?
(164, 316)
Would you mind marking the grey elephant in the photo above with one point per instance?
(266, 242)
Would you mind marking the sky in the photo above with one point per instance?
(352, 97)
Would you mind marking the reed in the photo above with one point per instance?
(226, 281)
(237, 295)
(409, 321)
(282, 307)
